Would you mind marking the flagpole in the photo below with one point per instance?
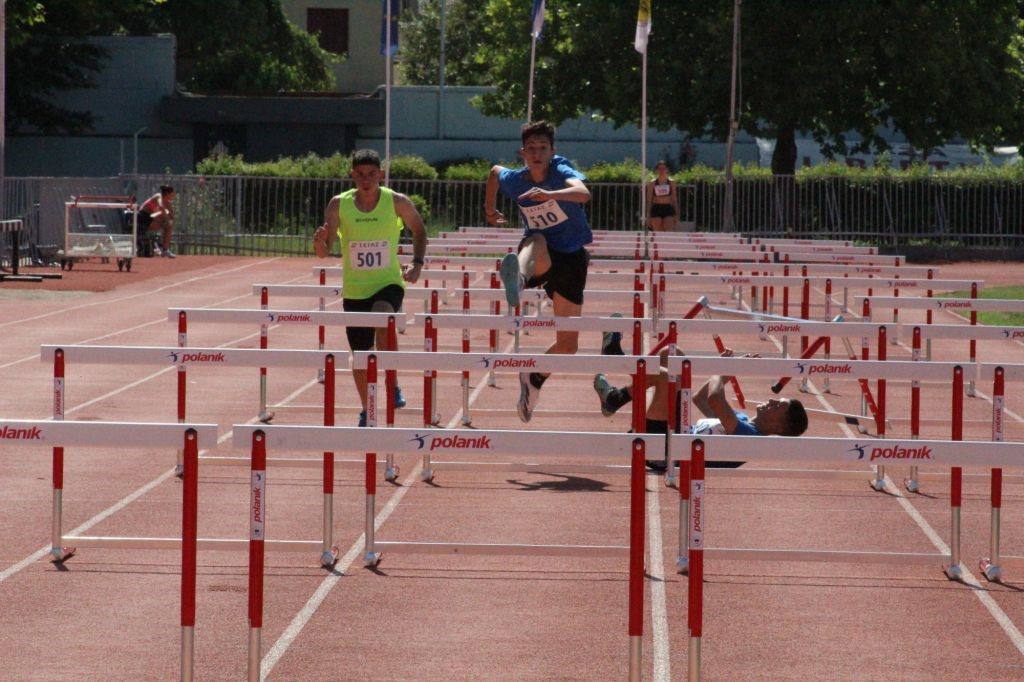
(529, 96)
(387, 95)
(643, 149)
(728, 219)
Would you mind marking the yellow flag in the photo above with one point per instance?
(643, 26)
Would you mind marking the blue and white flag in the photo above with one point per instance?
(537, 18)
(384, 26)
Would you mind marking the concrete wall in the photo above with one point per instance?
(421, 126)
(138, 75)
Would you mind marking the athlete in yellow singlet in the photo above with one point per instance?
(368, 221)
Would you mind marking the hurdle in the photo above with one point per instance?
(221, 357)
(613, 446)
(291, 317)
(823, 450)
(59, 434)
(508, 362)
(894, 369)
(992, 565)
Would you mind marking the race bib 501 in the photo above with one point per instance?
(369, 255)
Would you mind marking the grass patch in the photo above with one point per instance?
(993, 318)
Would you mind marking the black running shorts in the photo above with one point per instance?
(362, 338)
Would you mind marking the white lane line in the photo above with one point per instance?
(986, 599)
(306, 613)
(659, 608)
(172, 285)
(125, 330)
(125, 501)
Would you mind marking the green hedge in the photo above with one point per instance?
(411, 167)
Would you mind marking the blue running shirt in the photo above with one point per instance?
(564, 223)
(709, 427)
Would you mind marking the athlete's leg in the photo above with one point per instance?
(534, 259)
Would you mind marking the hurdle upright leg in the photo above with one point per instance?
(264, 415)
(989, 565)
(390, 389)
(179, 467)
(329, 552)
(912, 483)
(637, 537)
(695, 582)
(257, 520)
(370, 556)
(189, 545)
(58, 552)
(955, 569)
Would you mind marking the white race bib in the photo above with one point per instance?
(545, 215)
(662, 190)
(369, 255)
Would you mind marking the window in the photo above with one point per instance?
(330, 26)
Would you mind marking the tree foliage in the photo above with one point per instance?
(46, 54)
(931, 69)
(243, 46)
(228, 45)
(421, 48)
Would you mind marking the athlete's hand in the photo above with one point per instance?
(495, 217)
(534, 194)
(411, 273)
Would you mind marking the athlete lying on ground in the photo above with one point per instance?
(777, 417)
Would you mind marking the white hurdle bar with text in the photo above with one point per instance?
(696, 450)
(618, 447)
(59, 434)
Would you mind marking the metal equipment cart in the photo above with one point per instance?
(102, 227)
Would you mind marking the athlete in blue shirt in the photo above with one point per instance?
(550, 194)
(777, 417)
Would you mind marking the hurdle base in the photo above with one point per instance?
(61, 554)
(992, 572)
(179, 470)
(954, 572)
(427, 475)
(371, 559)
(330, 557)
(265, 417)
(878, 485)
(391, 473)
(496, 549)
(683, 565)
(912, 485)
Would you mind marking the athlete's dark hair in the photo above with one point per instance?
(796, 419)
(538, 128)
(362, 157)
(166, 189)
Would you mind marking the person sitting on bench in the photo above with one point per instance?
(157, 213)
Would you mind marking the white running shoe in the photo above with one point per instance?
(528, 396)
(511, 278)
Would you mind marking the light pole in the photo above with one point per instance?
(135, 149)
(728, 220)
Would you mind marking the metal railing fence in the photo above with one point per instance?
(275, 216)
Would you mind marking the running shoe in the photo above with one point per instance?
(362, 418)
(603, 389)
(528, 395)
(511, 278)
(399, 398)
(168, 254)
(611, 342)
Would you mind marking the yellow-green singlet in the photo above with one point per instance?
(369, 244)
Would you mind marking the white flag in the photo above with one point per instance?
(643, 26)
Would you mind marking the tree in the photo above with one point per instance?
(930, 69)
(243, 46)
(47, 53)
(228, 45)
(421, 46)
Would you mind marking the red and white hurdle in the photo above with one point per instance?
(614, 446)
(59, 434)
